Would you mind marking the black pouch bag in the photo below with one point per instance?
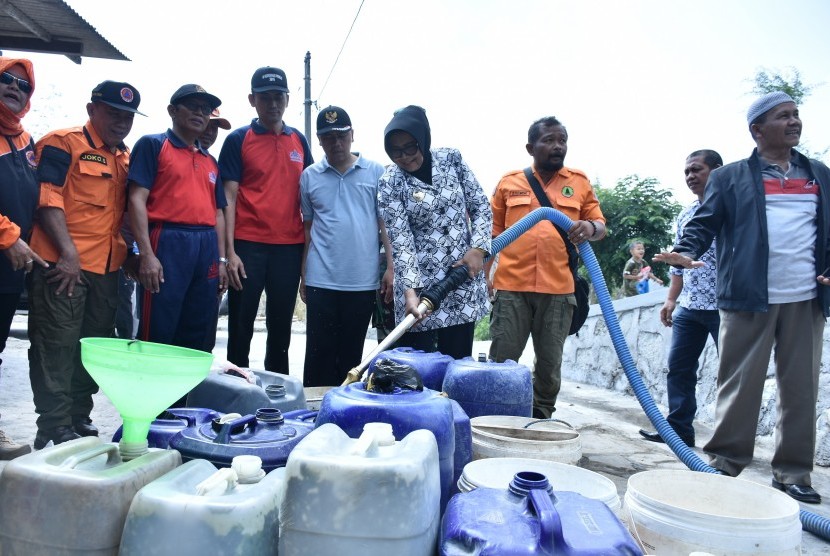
(581, 287)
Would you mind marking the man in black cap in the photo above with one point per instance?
(340, 267)
(770, 215)
(83, 174)
(261, 164)
(176, 202)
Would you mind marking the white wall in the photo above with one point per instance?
(590, 358)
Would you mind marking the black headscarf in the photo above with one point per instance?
(413, 120)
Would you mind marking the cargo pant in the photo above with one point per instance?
(547, 319)
(61, 386)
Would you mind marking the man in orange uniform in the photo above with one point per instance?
(83, 197)
(535, 284)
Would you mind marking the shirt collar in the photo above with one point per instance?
(260, 129)
(359, 163)
(179, 143)
(94, 140)
(794, 161)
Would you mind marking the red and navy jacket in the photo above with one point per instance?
(19, 192)
(267, 166)
(184, 182)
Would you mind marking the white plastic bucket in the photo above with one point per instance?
(504, 436)
(678, 512)
(498, 472)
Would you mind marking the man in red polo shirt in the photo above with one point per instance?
(176, 202)
(83, 174)
(261, 164)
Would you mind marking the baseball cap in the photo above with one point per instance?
(221, 122)
(118, 95)
(333, 118)
(193, 90)
(269, 79)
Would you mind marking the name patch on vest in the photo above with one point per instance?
(92, 157)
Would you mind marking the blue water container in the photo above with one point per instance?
(266, 434)
(488, 388)
(352, 406)
(171, 422)
(229, 392)
(432, 366)
(463, 453)
(529, 518)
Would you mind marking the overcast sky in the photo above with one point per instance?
(639, 84)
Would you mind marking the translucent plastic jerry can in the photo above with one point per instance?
(73, 498)
(197, 509)
(370, 496)
(351, 407)
(229, 392)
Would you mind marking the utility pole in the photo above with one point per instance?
(307, 95)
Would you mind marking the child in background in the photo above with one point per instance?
(635, 271)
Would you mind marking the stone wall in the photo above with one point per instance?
(590, 358)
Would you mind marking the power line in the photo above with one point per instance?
(341, 50)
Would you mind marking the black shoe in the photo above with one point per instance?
(58, 435)
(802, 493)
(654, 436)
(84, 427)
(539, 414)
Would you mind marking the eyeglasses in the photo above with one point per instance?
(406, 150)
(7, 79)
(197, 108)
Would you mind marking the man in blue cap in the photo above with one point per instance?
(176, 202)
(770, 214)
(261, 164)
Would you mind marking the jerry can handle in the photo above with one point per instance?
(225, 476)
(229, 427)
(113, 455)
(549, 521)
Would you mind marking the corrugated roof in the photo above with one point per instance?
(51, 26)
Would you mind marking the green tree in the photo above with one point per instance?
(635, 209)
(768, 81)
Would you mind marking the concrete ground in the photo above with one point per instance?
(607, 421)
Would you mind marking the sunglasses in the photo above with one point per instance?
(406, 150)
(197, 108)
(7, 79)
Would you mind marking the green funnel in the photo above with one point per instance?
(142, 379)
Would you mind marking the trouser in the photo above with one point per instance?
(547, 319)
(690, 329)
(184, 311)
(275, 269)
(336, 325)
(126, 323)
(455, 341)
(746, 340)
(61, 386)
(8, 305)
